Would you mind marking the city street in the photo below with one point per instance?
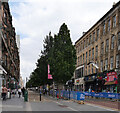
(47, 104)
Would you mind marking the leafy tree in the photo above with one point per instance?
(64, 55)
(60, 54)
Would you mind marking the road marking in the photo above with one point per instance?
(58, 103)
(102, 107)
(66, 107)
(72, 109)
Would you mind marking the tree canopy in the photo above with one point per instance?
(60, 54)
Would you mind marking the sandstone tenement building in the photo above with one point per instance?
(9, 55)
(100, 45)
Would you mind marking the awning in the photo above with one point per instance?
(111, 82)
(2, 70)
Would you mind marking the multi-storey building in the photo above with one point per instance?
(9, 55)
(101, 46)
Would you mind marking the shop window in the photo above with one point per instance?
(112, 42)
(117, 61)
(111, 63)
(114, 21)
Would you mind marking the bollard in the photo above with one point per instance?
(26, 96)
(40, 97)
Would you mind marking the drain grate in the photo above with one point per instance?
(62, 105)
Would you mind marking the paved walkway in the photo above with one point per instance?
(105, 103)
(35, 97)
(13, 104)
(48, 104)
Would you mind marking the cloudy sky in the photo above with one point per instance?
(34, 19)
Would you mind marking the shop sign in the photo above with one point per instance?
(90, 78)
(77, 82)
(111, 74)
(111, 78)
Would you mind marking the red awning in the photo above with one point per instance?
(111, 82)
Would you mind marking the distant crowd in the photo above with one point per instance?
(9, 93)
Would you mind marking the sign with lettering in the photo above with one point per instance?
(111, 78)
(111, 74)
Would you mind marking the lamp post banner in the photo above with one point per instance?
(49, 75)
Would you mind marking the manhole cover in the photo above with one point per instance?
(62, 105)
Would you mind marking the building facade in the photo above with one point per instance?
(9, 55)
(101, 46)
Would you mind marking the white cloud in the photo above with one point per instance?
(33, 19)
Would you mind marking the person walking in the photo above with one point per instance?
(9, 94)
(4, 92)
(19, 92)
(23, 91)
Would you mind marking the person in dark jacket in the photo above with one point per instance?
(23, 91)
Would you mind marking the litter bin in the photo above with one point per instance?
(26, 96)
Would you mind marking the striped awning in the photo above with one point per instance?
(111, 82)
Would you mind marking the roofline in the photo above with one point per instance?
(114, 6)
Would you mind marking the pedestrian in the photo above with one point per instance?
(9, 94)
(19, 92)
(23, 91)
(40, 95)
(4, 92)
(13, 92)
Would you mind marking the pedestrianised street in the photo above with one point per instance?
(60, 55)
(48, 103)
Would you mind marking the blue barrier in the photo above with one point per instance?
(103, 95)
(76, 95)
(80, 96)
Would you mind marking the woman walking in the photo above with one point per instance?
(19, 92)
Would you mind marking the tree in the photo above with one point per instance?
(64, 56)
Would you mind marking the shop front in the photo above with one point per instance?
(111, 82)
(90, 83)
(79, 84)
